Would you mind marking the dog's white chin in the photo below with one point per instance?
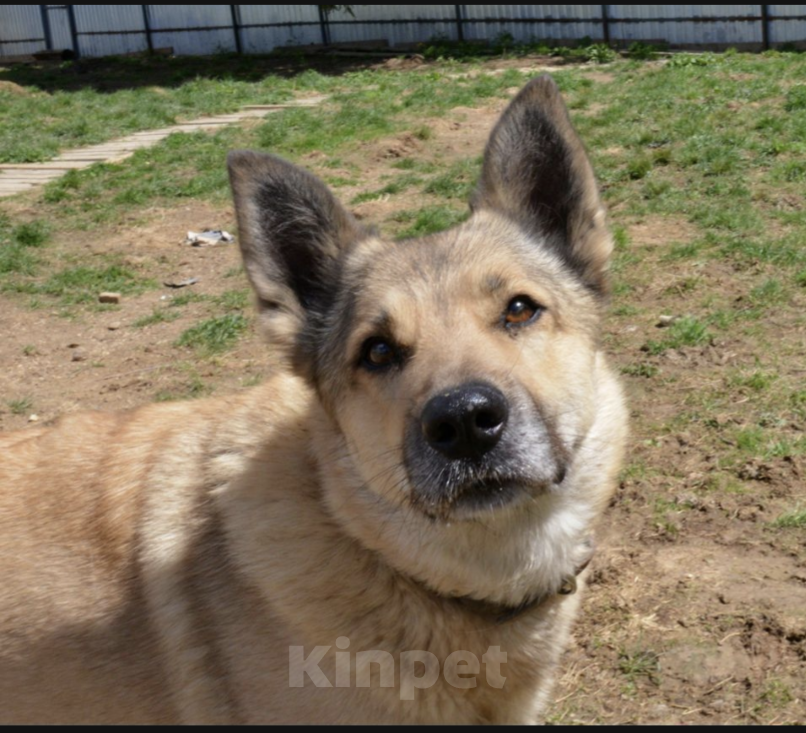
(507, 554)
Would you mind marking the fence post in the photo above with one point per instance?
(323, 26)
(460, 30)
(236, 27)
(147, 27)
(43, 10)
(765, 26)
(606, 24)
(71, 19)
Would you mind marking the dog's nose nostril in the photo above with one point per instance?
(465, 422)
(441, 433)
(489, 420)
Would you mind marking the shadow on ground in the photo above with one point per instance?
(112, 74)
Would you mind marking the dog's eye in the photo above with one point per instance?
(378, 353)
(521, 310)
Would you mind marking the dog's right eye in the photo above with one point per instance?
(377, 353)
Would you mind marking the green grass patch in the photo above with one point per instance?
(429, 220)
(179, 301)
(796, 99)
(17, 260)
(390, 189)
(214, 335)
(637, 664)
(755, 382)
(791, 520)
(156, 317)
(640, 370)
(193, 389)
(21, 406)
(458, 182)
(99, 99)
(31, 234)
(234, 300)
(687, 331)
(81, 285)
(639, 167)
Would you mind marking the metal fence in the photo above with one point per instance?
(101, 30)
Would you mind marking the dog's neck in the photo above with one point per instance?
(501, 613)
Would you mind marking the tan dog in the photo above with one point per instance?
(388, 530)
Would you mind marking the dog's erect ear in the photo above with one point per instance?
(536, 171)
(292, 233)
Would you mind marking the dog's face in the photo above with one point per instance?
(458, 367)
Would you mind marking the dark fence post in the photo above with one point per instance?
(606, 24)
(71, 19)
(147, 27)
(460, 30)
(323, 26)
(236, 27)
(765, 26)
(43, 9)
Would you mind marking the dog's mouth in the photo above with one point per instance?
(480, 497)
(487, 496)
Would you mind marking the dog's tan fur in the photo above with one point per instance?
(156, 565)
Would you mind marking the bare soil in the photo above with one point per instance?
(696, 611)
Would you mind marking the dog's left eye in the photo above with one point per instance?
(377, 353)
(521, 310)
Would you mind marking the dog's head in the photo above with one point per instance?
(458, 369)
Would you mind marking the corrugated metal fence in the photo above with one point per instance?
(101, 30)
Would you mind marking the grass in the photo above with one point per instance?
(16, 243)
(639, 664)
(400, 184)
(214, 335)
(791, 520)
(640, 370)
(156, 317)
(704, 152)
(428, 220)
(21, 406)
(688, 331)
(195, 388)
(118, 103)
(82, 284)
(458, 182)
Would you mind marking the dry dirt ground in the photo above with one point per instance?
(696, 610)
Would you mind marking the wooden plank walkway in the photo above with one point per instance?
(19, 177)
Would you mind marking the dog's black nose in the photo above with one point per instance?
(465, 422)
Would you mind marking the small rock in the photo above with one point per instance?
(109, 298)
(113, 326)
(33, 418)
(180, 283)
(79, 355)
(666, 321)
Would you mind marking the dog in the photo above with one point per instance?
(392, 527)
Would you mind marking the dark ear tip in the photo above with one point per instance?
(543, 87)
(239, 159)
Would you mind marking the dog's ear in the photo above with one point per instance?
(292, 233)
(537, 172)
